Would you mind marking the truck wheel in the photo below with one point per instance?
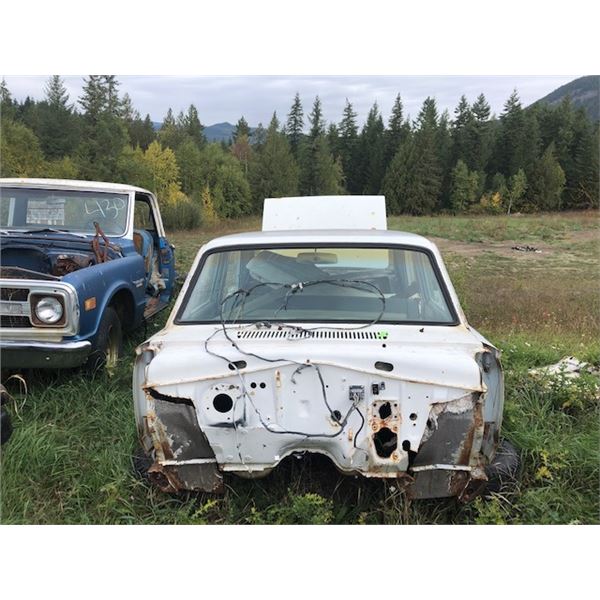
(5, 425)
(109, 342)
(503, 471)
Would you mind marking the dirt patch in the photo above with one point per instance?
(503, 248)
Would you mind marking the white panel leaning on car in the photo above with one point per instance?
(324, 212)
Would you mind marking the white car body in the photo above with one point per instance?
(434, 392)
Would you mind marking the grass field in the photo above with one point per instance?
(69, 460)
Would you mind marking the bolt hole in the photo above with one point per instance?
(406, 445)
(253, 385)
(263, 385)
(337, 415)
(413, 416)
(222, 403)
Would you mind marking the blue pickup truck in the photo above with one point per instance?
(81, 263)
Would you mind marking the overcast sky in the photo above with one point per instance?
(221, 99)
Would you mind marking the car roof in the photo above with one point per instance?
(71, 184)
(322, 236)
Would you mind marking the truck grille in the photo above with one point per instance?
(14, 294)
(11, 298)
(9, 321)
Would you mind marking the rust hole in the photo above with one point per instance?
(222, 403)
(385, 410)
(386, 442)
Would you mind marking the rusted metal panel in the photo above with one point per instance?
(178, 444)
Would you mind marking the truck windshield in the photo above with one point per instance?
(324, 284)
(23, 209)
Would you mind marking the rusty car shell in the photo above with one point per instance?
(430, 397)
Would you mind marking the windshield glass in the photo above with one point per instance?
(316, 284)
(23, 209)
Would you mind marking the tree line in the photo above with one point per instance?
(527, 159)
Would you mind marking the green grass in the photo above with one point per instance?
(69, 460)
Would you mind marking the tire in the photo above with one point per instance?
(141, 463)
(5, 425)
(109, 342)
(503, 471)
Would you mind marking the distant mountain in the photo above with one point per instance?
(584, 92)
(219, 132)
(213, 133)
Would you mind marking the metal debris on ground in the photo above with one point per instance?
(526, 249)
(569, 367)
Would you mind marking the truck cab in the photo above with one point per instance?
(81, 263)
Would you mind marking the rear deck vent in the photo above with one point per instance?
(320, 334)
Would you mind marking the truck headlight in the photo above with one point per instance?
(49, 310)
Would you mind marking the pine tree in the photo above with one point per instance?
(583, 185)
(171, 133)
(317, 124)
(509, 151)
(241, 128)
(482, 138)
(93, 100)
(273, 170)
(445, 155)
(413, 179)
(169, 120)
(348, 147)
(189, 161)
(191, 126)
(397, 132)
(462, 129)
(113, 102)
(320, 173)
(58, 126)
(333, 140)
(128, 112)
(372, 152)
(546, 182)
(295, 125)
(464, 187)
(104, 133)
(56, 93)
(141, 132)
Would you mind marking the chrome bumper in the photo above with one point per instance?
(22, 354)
